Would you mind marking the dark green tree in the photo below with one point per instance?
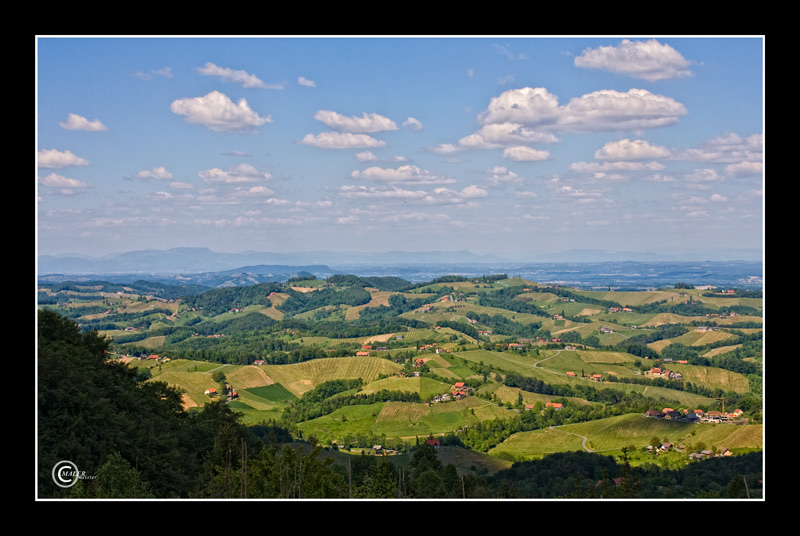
(116, 479)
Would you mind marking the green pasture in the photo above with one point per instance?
(457, 312)
(609, 436)
(587, 363)
(511, 361)
(266, 402)
(271, 394)
(309, 283)
(694, 338)
(624, 318)
(301, 377)
(510, 395)
(631, 298)
(712, 377)
(536, 444)
(637, 430)
(426, 387)
(182, 374)
(404, 420)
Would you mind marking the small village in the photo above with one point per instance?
(698, 416)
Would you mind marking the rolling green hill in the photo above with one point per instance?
(484, 361)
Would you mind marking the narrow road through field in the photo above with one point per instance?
(539, 366)
(583, 443)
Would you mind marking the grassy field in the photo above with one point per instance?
(403, 420)
(545, 371)
(693, 338)
(191, 376)
(609, 436)
(301, 377)
(713, 377)
(426, 387)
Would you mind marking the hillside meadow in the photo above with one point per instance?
(610, 435)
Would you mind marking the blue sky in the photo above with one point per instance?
(494, 144)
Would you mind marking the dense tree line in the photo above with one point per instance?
(399, 304)
(504, 299)
(254, 336)
(220, 300)
(300, 302)
(143, 287)
(589, 475)
(105, 419)
(394, 284)
(692, 308)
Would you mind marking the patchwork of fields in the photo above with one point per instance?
(461, 340)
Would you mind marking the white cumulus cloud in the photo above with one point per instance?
(648, 60)
(630, 150)
(77, 122)
(521, 153)
(341, 140)
(243, 78)
(413, 123)
(366, 123)
(303, 81)
(745, 169)
(217, 112)
(65, 184)
(498, 135)
(158, 172)
(240, 173)
(55, 159)
(407, 174)
(599, 111)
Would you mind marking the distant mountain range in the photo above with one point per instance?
(197, 260)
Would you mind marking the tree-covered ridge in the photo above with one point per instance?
(582, 475)
(219, 300)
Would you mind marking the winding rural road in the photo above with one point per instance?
(583, 443)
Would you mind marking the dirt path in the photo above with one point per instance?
(583, 443)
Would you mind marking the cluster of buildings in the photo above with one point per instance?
(696, 415)
(664, 447)
(153, 358)
(457, 392)
(664, 373)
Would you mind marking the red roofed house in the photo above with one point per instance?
(555, 405)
